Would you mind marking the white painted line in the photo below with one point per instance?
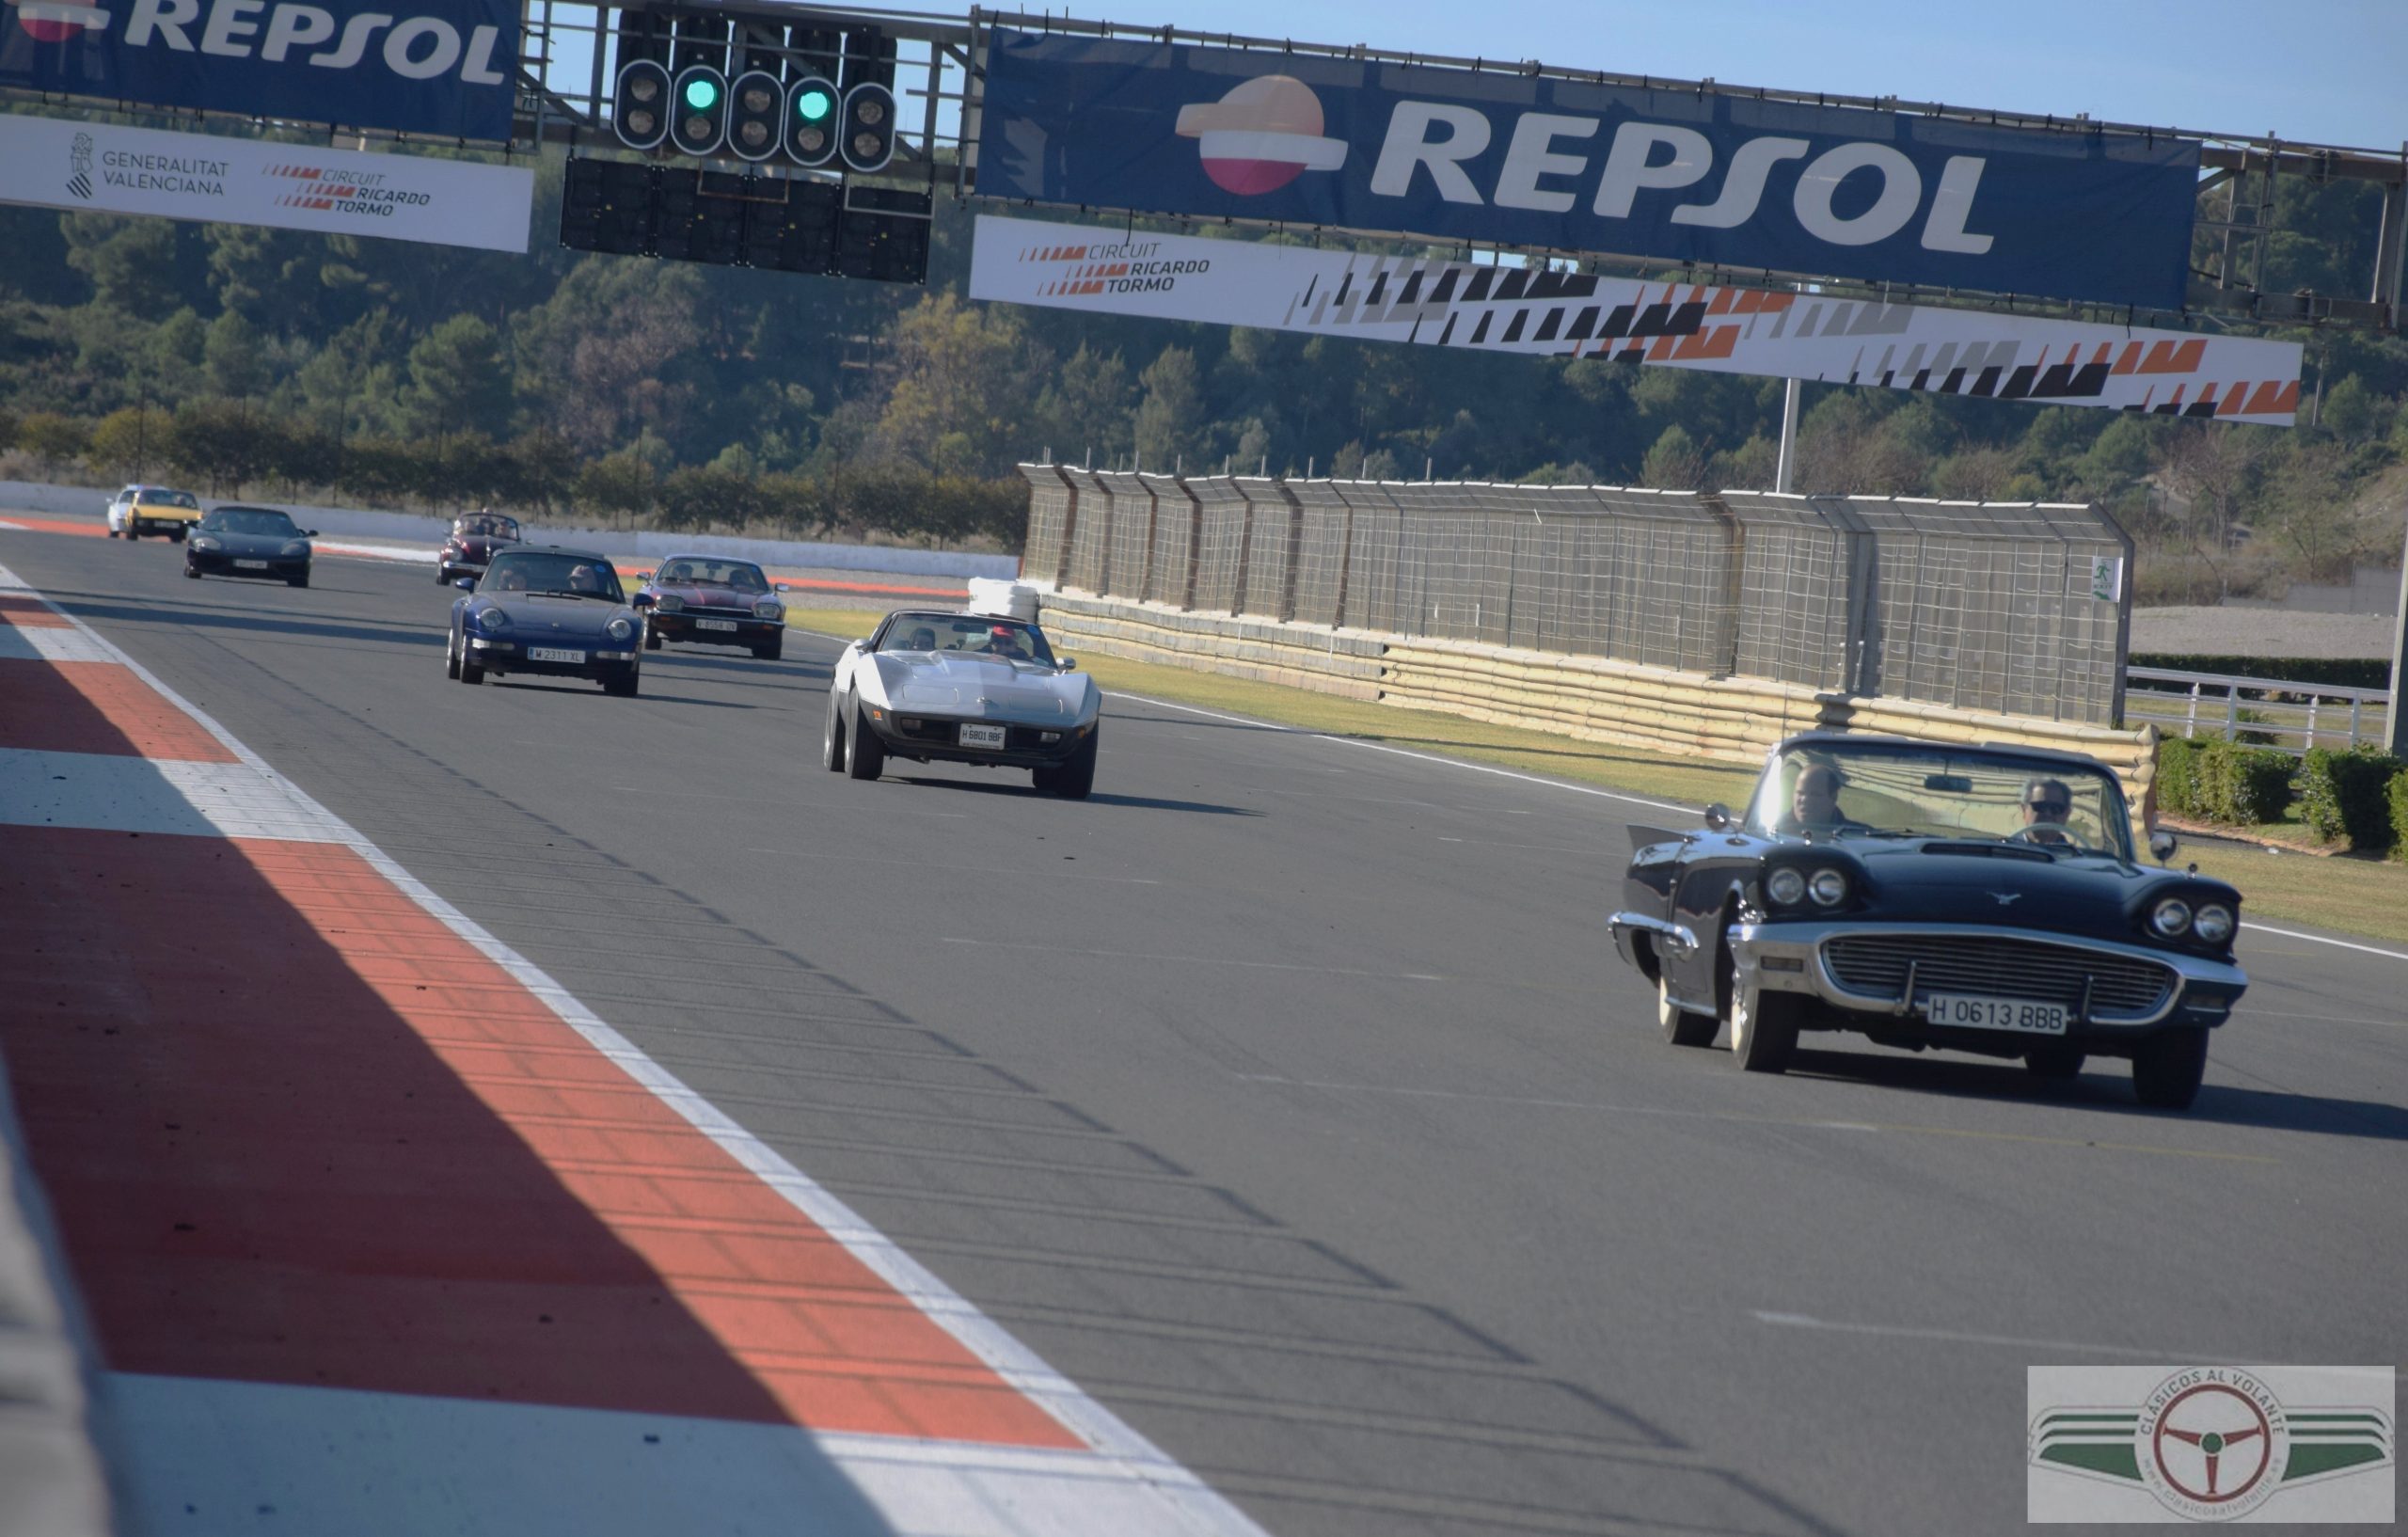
(2318, 939)
(48, 643)
(1957, 1337)
(1198, 960)
(376, 552)
(1174, 1499)
(119, 793)
(1404, 752)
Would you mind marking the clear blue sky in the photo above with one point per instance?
(2328, 71)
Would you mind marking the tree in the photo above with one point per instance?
(1171, 419)
(1090, 406)
(52, 438)
(125, 441)
(456, 379)
(619, 483)
(964, 398)
(2212, 470)
(132, 262)
(1675, 463)
(234, 357)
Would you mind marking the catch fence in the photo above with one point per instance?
(2014, 608)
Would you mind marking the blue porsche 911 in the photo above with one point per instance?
(546, 611)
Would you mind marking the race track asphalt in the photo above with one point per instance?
(1288, 1097)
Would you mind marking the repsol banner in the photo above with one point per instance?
(413, 66)
(110, 170)
(1516, 160)
(1433, 301)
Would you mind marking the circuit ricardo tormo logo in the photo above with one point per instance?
(1262, 135)
(57, 21)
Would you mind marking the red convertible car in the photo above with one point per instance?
(711, 600)
(474, 538)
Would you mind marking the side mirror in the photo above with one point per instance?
(2162, 845)
(308, 533)
(1717, 817)
(781, 586)
(1067, 664)
(465, 584)
(642, 600)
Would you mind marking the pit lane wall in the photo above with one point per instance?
(1704, 625)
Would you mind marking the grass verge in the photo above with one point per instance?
(2349, 895)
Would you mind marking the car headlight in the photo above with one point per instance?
(1784, 885)
(2212, 923)
(297, 547)
(669, 603)
(1829, 888)
(769, 608)
(202, 541)
(622, 629)
(2170, 918)
(492, 620)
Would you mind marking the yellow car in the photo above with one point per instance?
(155, 509)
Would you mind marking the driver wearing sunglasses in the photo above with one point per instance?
(2047, 804)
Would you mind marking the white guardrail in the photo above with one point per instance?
(2284, 713)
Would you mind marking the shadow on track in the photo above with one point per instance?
(2105, 1087)
(1100, 797)
(530, 686)
(94, 608)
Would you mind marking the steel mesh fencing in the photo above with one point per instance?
(1090, 530)
(1267, 584)
(1804, 578)
(1222, 521)
(1129, 549)
(1325, 527)
(1045, 552)
(1660, 581)
(1171, 566)
(1377, 596)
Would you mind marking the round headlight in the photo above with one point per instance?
(1829, 888)
(2213, 924)
(2171, 917)
(622, 629)
(669, 603)
(769, 608)
(492, 620)
(1785, 885)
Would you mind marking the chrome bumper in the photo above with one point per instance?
(1788, 958)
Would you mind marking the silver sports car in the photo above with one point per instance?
(963, 688)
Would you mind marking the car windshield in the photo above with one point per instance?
(561, 575)
(261, 520)
(1939, 791)
(743, 576)
(486, 525)
(168, 499)
(980, 634)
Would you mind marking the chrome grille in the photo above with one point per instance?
(2121, 986)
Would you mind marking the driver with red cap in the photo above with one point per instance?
(1005, 641)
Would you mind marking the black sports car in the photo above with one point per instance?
(552, 612)
(1926, 895)
(250, 542)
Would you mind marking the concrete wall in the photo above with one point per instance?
(362, 523)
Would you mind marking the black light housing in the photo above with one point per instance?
(698, 110)
(639, 104)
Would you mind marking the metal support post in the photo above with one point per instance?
(2395, 730)
(1786, 466)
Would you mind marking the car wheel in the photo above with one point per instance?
(2055, 1061)
(1075, 779)
(624, 685)
(469, 671)
(771, 650)
(651, 639)
(1681, 1026)
(2167, 1066)
(193, 571)
(451, 657)
(176, 534)
(1764, 1025)
(865, 754)
(133, 531)
(301, 580)
(832, 742)
(442, 575)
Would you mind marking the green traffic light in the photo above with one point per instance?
(701, 95)
(814, 105)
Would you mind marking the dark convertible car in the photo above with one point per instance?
(250, 542)
(550, 613)
(1929, 895)
(713, 601)
(475, 537)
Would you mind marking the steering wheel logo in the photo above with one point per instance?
(2214, 1449)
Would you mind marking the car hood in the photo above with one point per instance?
(983, 686)
(251, 547)
(1975, 881)
(566, 618)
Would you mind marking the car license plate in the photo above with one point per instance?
(252, 565)
(715, 624)
(548, 654)
(2017, 1014)
(979, 736)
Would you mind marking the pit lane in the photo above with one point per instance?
(1287, 1097)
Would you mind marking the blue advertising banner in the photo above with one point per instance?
(417, 67)
(1514, 159)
